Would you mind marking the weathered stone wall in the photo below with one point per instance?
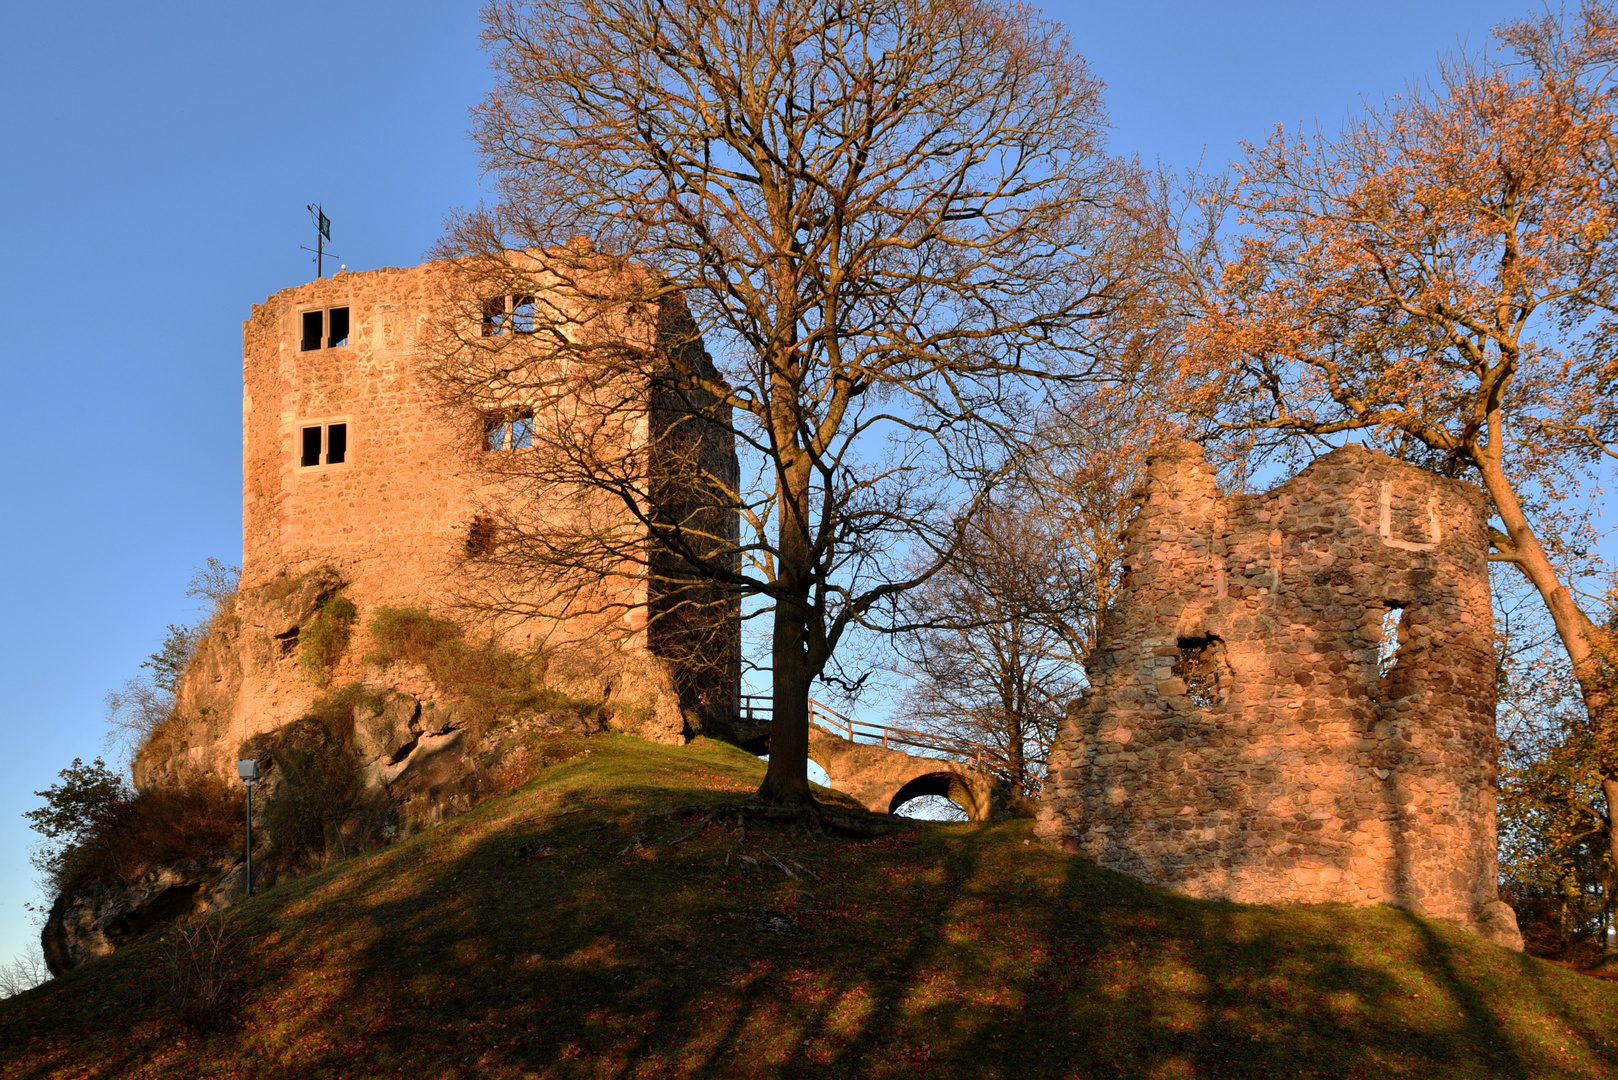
(1240, 738)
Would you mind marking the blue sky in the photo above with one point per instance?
(158, 159)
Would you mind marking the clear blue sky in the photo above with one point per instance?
(157, 160)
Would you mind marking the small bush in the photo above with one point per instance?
(322, 643)
(319, 778)
(202, 968)
(484, 678)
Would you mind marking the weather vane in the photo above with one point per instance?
(322, 236)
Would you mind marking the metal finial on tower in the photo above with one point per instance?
(322, 235)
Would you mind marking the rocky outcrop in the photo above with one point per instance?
(246, 680)
(421, 764)
(243, 680)
(97, 919)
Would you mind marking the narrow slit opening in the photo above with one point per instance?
(1387, 649)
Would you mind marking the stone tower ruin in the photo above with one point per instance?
(1293, 696)
(357, 479)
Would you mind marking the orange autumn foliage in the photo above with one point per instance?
(1443, 274)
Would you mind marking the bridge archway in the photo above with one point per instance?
(884, 780)
(943, 784)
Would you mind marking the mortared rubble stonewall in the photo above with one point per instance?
(1293, 697)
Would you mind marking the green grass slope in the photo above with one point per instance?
(532, 938)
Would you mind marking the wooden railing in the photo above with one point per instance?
(760, 708)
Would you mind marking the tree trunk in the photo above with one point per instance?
(1583, 640)
(786, 783)
(1609, 788)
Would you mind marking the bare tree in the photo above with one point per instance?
(1004, 630)
(136, 709)
(890, 220)
(23, 972)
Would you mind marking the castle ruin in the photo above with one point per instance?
(1293, 696)
(357, 478)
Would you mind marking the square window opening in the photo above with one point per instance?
(514, 431)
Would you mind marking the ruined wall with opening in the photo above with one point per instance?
(1293, 696)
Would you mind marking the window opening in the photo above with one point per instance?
(508, 315)
(522, 314)
(512, 432)
(1198, 668)
(337, 325)
(480, 536)
(494, 317)
(313, 321)
(311, 447)
(323, 444)
(1387, 650)
(336, 443)
(316, 325)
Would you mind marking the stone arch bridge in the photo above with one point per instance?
(865, 761)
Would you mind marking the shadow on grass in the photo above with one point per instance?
(532, 937)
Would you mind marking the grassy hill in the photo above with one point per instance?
(533, 938)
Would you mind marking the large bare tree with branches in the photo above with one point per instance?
(866, 231)
(1005, 629)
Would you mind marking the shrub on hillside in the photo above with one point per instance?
(485, 678)
(319, 783)
(97, 830)
(322, 643)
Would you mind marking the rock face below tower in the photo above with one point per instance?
(1293, 697)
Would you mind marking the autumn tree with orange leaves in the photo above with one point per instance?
(1442, 277)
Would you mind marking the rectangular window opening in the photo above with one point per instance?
(311, 447)
(336, 443)
(522, 314)
(513, 431)
(494, 317)
(313, 322)
(323, 444)
(337, 323)
(494, 434)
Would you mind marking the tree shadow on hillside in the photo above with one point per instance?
(553, 945)
(561, 948)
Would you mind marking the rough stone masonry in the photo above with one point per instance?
(1293, 697)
